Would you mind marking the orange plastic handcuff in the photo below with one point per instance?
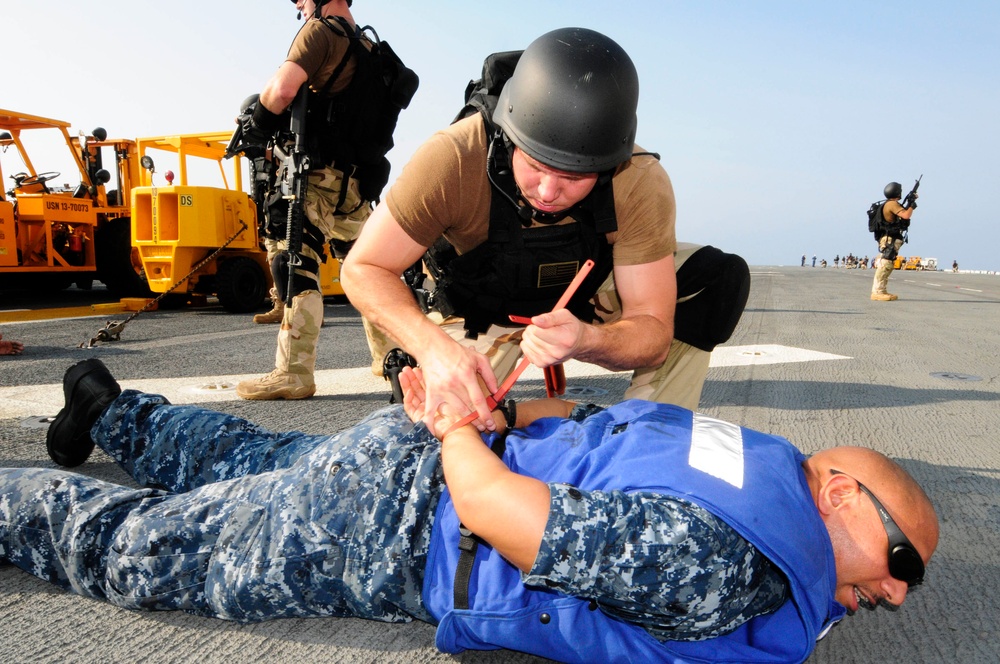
(495, 398)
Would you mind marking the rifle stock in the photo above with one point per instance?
(234, 147)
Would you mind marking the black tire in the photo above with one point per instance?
(116, 267)
(173, 301)
(240, 285)
(54, 283)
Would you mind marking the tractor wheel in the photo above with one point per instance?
(117, 261)
(240, 285)
(173, 301)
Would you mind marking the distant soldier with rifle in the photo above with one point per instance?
(325, 121)
(889, 222)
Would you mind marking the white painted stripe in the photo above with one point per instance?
(29, 400)
(717, 449)
(735, 356)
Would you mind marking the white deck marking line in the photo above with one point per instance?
(31, 400)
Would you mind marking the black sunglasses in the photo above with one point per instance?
(905, 563)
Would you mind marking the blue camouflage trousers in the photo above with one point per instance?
(234, 521)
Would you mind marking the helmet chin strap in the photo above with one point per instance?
(525, 212)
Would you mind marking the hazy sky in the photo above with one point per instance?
(778, 121)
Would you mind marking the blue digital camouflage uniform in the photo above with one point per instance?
(244, 524)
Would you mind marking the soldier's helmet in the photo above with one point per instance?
(893, 190)
(571, 101)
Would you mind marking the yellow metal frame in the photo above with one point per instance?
(27, 239)
(177, 225)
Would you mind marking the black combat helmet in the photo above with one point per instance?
(571, 102)
(893, 190)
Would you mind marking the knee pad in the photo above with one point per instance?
(712, 291)
(300, 283)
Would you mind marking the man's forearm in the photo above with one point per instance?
(388, 303)
(506, 509)
(628, 343)
(536, 409)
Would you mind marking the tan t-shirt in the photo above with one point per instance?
(444, 190)
(891, 210)
(318, 50)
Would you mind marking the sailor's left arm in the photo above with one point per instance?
(640, 338)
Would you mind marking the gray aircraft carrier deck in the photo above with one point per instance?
(813, 360)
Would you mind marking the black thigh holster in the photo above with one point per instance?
(712, 291)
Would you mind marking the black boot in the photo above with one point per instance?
(88, 387)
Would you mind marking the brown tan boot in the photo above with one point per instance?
(275, 314)
(883, 297)
(278, 384)
(295, 357)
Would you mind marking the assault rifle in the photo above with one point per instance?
(910, 202)
(235, 146)
(294, 180)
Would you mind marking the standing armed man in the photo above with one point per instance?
(895, 219)
(322, 61)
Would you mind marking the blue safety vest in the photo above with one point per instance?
(753, 481)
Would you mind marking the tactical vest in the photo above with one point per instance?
(519, 270)
(353, 128)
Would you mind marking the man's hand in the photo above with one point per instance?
(457, 379)
(552, 338)
(441, 419)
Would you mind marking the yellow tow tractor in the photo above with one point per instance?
(195, 241)
(54, 235)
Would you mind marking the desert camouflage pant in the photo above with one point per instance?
(322, 213)
(679, 380)
(236, 522)
(885, 266)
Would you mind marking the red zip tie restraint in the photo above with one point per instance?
(495, 398)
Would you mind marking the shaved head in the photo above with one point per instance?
(899, 492)
(858, 536)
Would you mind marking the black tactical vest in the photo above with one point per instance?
(523, 271)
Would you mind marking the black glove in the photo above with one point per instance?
(258, 124)
(252, 134)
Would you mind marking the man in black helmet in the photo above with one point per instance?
(524, 194)
(895, 220)
(334, 207)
